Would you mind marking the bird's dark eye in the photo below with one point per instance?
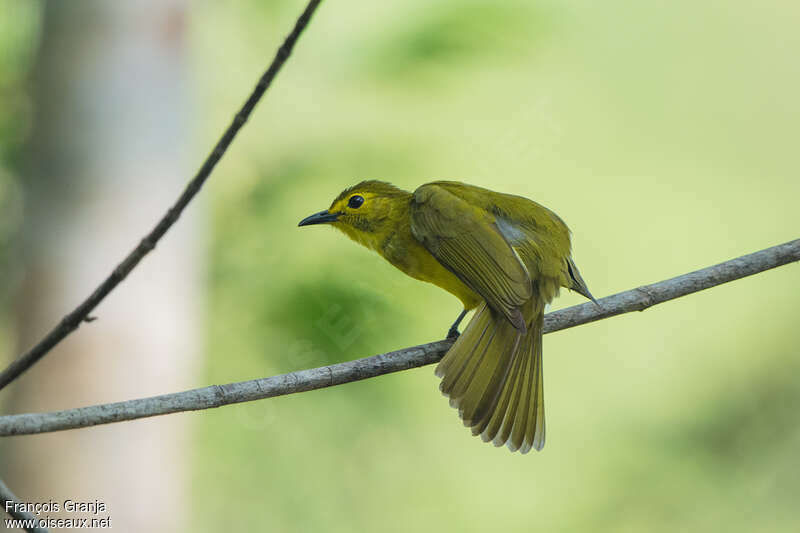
(355, 201)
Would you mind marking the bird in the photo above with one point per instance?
(502, 255)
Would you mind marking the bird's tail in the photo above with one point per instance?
(493, 376)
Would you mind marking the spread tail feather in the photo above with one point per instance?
(493, 376)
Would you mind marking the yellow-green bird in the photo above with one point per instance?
(503, 254)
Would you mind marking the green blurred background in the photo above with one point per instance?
(664, 133)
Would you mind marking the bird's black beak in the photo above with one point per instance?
(319, 218)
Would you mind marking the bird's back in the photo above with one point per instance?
(539, 236)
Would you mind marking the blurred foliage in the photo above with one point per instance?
(454, 35)
(660, 133)
(332, 313)
(18, 36)
(19, 28)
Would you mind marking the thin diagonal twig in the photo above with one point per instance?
(637, 299)
(73, 320)
(13, 506)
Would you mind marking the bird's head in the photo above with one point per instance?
(367, 212)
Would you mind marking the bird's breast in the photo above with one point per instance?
(407, 254)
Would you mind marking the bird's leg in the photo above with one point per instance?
(453, 332)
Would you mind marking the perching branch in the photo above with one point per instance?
(637, 299)
(73, 320)
(11, 505)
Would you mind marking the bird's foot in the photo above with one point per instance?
(453, 333)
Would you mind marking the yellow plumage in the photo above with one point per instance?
(505, 255)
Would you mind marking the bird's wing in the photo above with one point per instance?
(538, 235)
(465, 239)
